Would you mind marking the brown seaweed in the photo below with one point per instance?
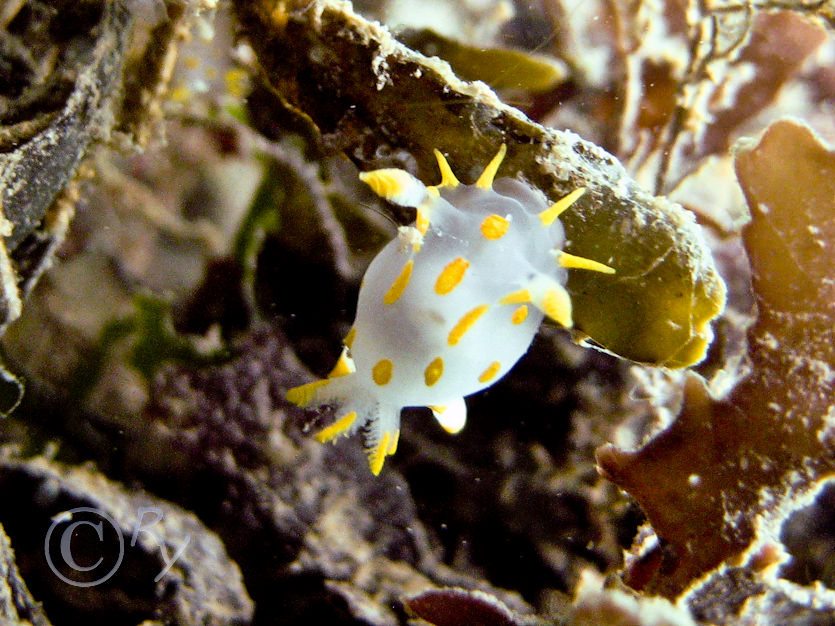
(733, 468)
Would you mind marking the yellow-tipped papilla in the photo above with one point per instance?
(385, 447)
(452, 416)
(556, 304)
(551, 298)
(485, 181)
(340, 426)
(581, 263)
(559, 207)
(344, 365)
(303, 394)
(395, 185)
(448, 179)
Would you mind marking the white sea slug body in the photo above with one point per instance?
(448, 307)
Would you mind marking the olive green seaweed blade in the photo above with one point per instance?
(500, 68)
(658, 307)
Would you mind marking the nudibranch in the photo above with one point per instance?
(450, 305)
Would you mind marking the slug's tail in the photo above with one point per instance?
(355, 411)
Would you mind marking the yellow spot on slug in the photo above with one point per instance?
(494, 226)
(520, 314)
(582, 263)
(448, 179)
(303, 394)
(381, 372)
(451, 275)
(465, 323)
(337, 428)
(490, 373)
(433, 371)
(485, 181)
(558, 208)
(516, 297)
(349, 338)
(399, 285)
